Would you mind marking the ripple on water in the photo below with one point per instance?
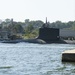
(34, 59)
(6, 67)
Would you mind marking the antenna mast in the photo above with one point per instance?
(46, 20)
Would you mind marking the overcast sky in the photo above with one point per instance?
(19, 10)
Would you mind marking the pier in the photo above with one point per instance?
(68, 56)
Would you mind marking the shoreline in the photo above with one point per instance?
(39, 41)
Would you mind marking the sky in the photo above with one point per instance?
(19, 10)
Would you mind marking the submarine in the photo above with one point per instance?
(47, 35)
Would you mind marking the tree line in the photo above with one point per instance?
(30, 29)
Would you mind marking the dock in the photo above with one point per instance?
(68, 56)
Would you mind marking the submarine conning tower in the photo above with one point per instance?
(48, 34)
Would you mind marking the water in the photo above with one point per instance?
(34, 59)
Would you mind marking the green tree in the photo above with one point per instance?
(18, 28)
(73, 26)
(29, 29)
(7, 20)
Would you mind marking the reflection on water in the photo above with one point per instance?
(34, 59)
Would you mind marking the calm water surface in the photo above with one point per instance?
(34, 59)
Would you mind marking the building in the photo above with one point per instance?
(67, 34)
